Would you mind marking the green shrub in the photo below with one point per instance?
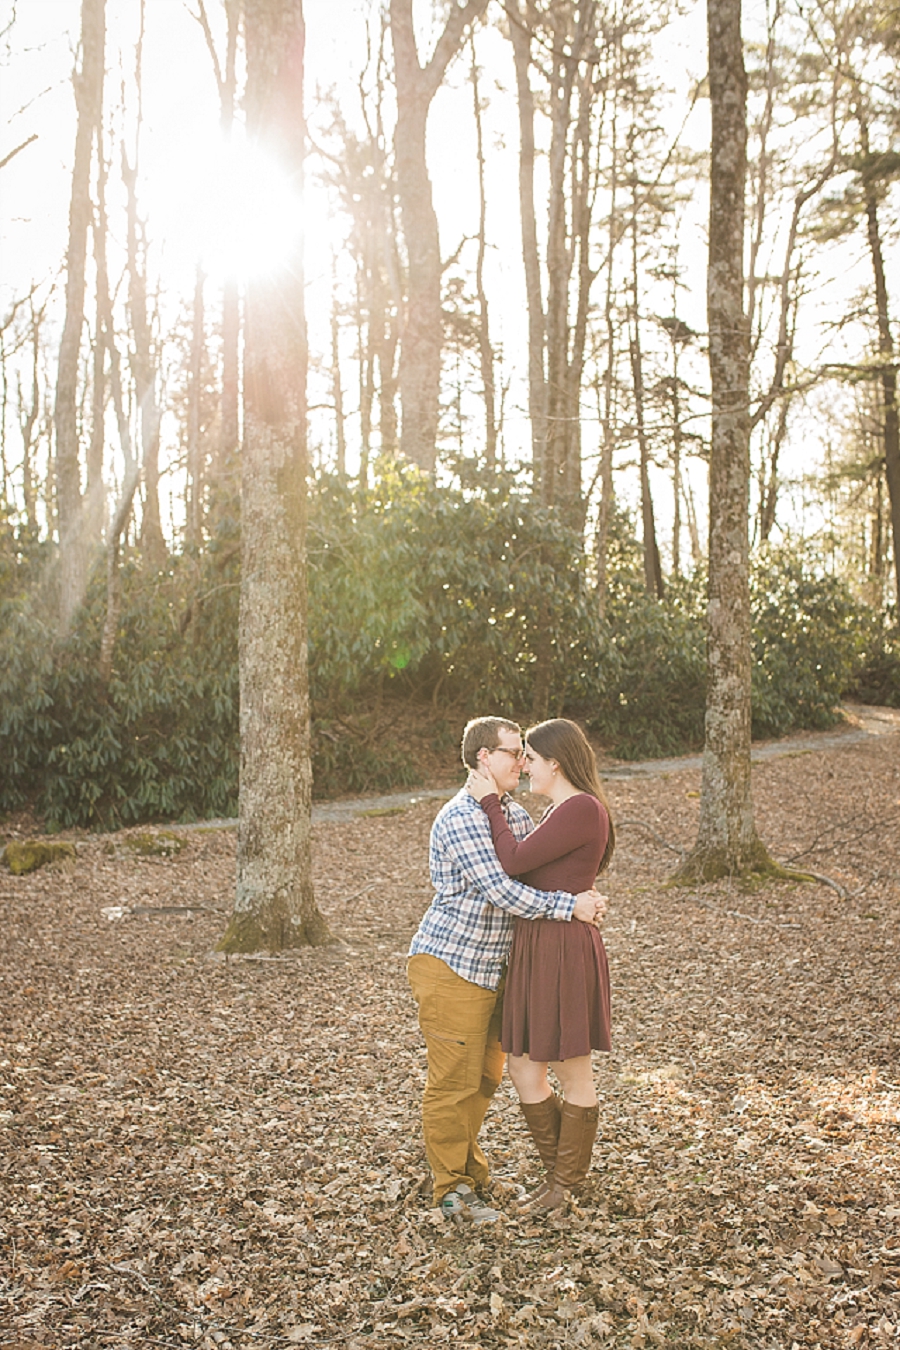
(809, 636)
(423, 595)
(650, 691)
(438, 594)
(160, 740)
(878, 679)
(354, 756)
(27, 663)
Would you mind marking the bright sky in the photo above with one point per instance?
(180, 150)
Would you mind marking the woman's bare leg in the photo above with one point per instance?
(576, 1078)
(529, 1078)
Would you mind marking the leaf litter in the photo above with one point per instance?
(226, 1153)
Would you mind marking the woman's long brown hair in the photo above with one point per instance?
(565, 742)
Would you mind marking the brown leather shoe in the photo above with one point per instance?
(577, 1132)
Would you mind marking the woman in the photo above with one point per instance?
(556, 1006)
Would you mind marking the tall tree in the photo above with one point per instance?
(144, 354)
(33, 413)
(108, 354)
(485, 348)
(420, 343)
(88, 82)
(606, 504)
(673, 392)
(784, 176)
(225, 470)
(573, 88)
(727, 841)
(196, 466)
(522, 22)
(95, 497)
(275, 905)
(872, 178)
(858, 40)
(360, 169)
(566, 39)
(653, 577)
(337, 387)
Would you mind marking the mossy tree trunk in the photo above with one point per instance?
(727, 842)
(275, 906)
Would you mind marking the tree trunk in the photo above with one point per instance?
(366, 392)
(95, 496)
(875, 561)
(113, 572)
(421, 342)
(371, 201)
(225, 469)
(274, 904)
(143, 357)
(607, 486)
(653, 578)
(693, 527)
(677, 444)
(386, 303)
(28, 418)
(117, 525)
(520, 36)
(485, 350)
(144, 371)
(891, 423)
(583, 195)
(768, 497)
(88, 83)
(228, 469)
(195, 456)
(679, 334)
(229, 444)
(559, 260)
(727, 841)
(337, 388)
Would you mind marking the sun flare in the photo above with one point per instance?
(232, 207)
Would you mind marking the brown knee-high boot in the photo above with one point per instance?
(542, 1119)
(577, 1132)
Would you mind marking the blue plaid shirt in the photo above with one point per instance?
(469, 922)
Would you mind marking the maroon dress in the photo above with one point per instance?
(556, 1004)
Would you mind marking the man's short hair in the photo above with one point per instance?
(483, 733)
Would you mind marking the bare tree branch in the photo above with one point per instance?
(12, 154)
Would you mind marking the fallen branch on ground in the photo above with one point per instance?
(642, 825)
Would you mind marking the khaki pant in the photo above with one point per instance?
(461, 1025)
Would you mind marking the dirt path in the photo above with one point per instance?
(861, 724)
(196, 1152)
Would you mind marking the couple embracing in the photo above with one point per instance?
(508, 960)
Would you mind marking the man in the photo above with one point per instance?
(457, 963)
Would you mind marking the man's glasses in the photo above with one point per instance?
(513, 754)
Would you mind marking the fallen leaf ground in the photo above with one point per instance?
(226, 1153)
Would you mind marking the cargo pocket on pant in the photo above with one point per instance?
(449, 1066)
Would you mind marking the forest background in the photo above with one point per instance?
(509, 399)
